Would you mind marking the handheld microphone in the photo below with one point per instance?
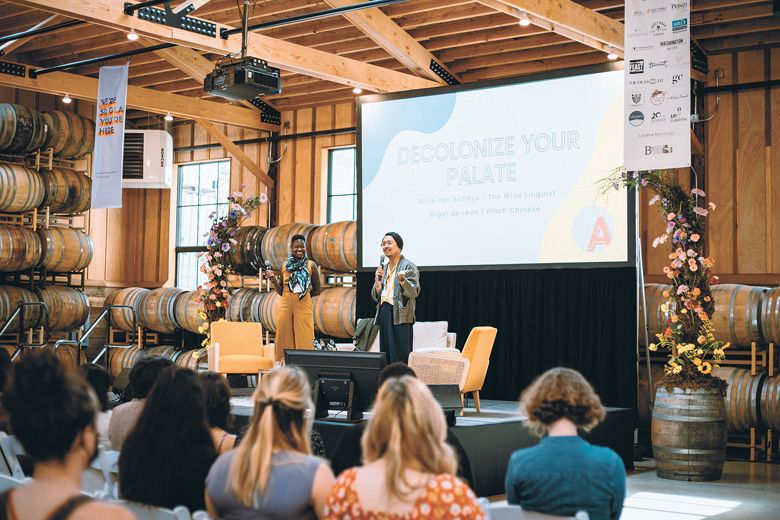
(382, 261)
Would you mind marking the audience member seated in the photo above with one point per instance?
(167, 456)
(348, 452)
(52, 413)
(100, 381)
(564, 474)
(124, 417)
(217, 393)
(409, 469)
(272, 473)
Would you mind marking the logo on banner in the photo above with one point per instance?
(649, 81)
(655, 10)
(679, 25)
(676, 79)
(635, 99)
(679, 6)
(658, 28)
(657, 97)
(636, 67)
(636, 118)
(656, 64)
(657, 117)
(678, 117)
(678, 97)
(671, 43)
(658, 149)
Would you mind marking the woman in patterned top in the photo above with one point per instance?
(409, 469)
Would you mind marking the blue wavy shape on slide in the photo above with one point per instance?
(382, 121)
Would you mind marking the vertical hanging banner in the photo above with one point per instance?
(109, 137)
(658, 84)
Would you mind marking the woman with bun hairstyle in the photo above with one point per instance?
(272, 473)
(52, 413)
(564, 474)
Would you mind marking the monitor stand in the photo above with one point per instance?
(336, 392)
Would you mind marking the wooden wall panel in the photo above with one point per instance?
(129, 243)
(773, 161)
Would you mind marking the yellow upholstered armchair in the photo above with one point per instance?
(237, 348)
(466, 369)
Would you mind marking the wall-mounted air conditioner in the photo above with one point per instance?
(148, 159)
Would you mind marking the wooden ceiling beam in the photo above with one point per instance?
(569, 19)
(554, 51)
(82, 87)
(535, 67)
(736, 28)
(234, 150)
(279, 53)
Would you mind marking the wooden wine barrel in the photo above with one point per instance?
(334, 312)
(166, 351)
(68, 307)
(188, 359)
(268, 306)
(742, 397)
(66, 191)
(334, 246)
(689, 434)
(20, 249)
(769, 404)
(10, 297)
(73, 135)
(644, 410)
(770, 316)
(737, 312)
(123, 318)
(246, 256)
(157, 309)
(67, 355)
(21, 129)
(276, 242)
(21, 189)
(119, 359)
(654, 298)
(187, 309)
(65, 250)
(244, 305)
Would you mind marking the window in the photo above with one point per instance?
(342, 185)
(203, 189)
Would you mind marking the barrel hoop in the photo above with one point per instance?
(342, 249)
(685, 418)
(344, 326)
(688, 451)
(732, 302)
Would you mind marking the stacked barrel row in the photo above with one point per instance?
(24, 130)
(68, 308)
(58, 249)
(743, 315)
(120, 359)
(63, 191)
(332, 246)
(166, 309)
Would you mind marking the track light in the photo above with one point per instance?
(168, 117)
(132, 35)
(524, 21)
(612, 56)
(357, 90)
(66, 99)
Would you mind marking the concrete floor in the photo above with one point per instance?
(747, 491)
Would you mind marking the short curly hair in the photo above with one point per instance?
(561, 393)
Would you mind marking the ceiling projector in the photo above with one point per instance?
(243, 78)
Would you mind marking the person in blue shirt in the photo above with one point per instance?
(564, 473)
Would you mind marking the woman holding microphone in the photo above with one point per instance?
(300, 280)
(395, 290)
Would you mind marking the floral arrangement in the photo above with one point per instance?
(214, 295)
(689, 336)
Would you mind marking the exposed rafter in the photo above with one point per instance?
(82, 87)
(288, 56)
(8, 47)
(397, 42)
(568, 19)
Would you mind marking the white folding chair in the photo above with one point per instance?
(9, 449)
(502, 511)
(101, 479)
(144, 512)
(8, 482)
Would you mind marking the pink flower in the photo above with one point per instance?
(263, 198)
(712, 206)
(677, 263)
(237, 194)
(701, 211)
(692, 265)
(691, 253)
(682, 289)
(670, 216)
(695, 237)
(218, 254)
(697, 191)
(654, 200)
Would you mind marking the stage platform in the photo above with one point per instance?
(489, 437)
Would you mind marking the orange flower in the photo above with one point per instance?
(675, 318)
(697, 362)
(705, 367)
(666, 293)
(702, 340)
(668, 332)
(707, 298)
(696, 291)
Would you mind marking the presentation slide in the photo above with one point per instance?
(499, 176)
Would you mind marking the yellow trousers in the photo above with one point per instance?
(294, 323)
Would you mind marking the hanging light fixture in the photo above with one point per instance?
(612, 56)
(168, 117)
(357, 90)
(524, 21)
(66, 99)
(132, 35)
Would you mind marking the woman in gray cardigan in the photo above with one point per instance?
(395, 292)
